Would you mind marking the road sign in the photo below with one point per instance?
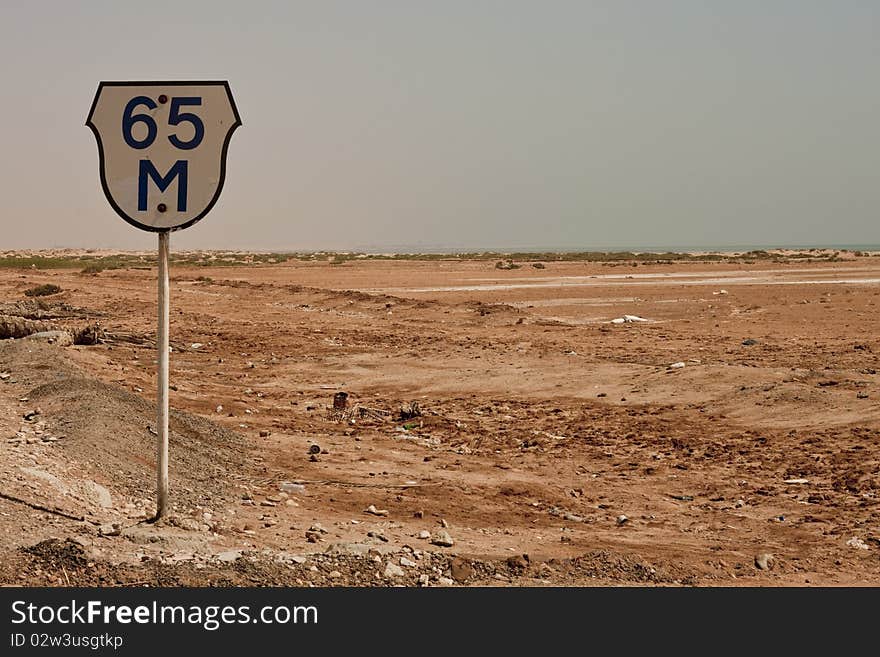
(162, 148)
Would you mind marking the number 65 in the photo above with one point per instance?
(175, 117)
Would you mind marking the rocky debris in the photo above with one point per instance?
(622, 520)
(228, 556)
(461, 569)
(313, 533)
(340, 565)
(378, 535)
(856, 542)
(188, 524)
(442, 538)
(409, 410)
(110, 529)
(265, 433)
(749, 342)
(676, 366)
(340, 401)
(424, 534)
(764, 561)
(518, 562)
(393, 570)
(372, 510)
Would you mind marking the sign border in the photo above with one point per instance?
(166, 83)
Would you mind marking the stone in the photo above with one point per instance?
(393, 570)
(264, 433)
(856, 542)
(110, 529)
(442, 538)
(622, 520)
(354, 549)
(461, 569)
(406, 563)
(376, 512)
(228, 556)
(424, 534)
(764, 561)
(445, 581)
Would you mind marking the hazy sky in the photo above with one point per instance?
(466, 123)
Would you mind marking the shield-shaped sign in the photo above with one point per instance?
(163, 149)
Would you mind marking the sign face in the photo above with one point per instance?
(162, 149)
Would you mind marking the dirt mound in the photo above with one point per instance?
(110, 432)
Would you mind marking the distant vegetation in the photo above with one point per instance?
(90, 263)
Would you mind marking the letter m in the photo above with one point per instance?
(177, 171)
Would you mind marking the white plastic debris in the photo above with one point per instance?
(629, 319)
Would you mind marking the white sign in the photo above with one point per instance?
(163, 149)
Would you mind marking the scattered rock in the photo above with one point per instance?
(410, 410)
(378, 535)
(676, 366)
(424, 534)
(748, 342)
(228, 556)
(376, 512)
(110, 529)
(265, 433)
(393, 570)
(519, 562)
(764, 561)
(622, 520)
(856, 542)
(442, 538)
(406, 563)
(445, 581)
(461, 569)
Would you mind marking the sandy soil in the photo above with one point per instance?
(553, 446)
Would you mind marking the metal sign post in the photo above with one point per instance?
(162, 153)
(162, 393)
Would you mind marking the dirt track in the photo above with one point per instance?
(545, 431)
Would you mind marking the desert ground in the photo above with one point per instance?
(500, 428)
